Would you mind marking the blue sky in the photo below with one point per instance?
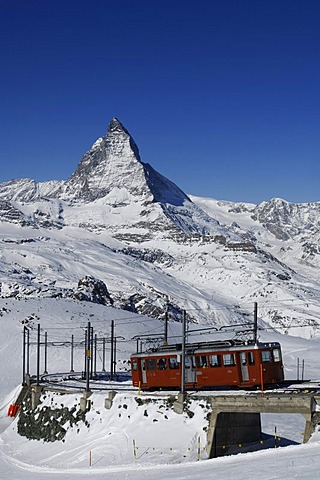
(221, 96)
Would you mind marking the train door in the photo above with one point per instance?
(244, 367)
(190, 369)
(143, 371)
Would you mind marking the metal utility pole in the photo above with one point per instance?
(115, 357)
(112, 351)
(166, 326)
(300, 367)
(71, 357)
(95, 355)
(38, 356)
(183, 353)
(45, 352)
(24, 356)
(103, 354)
(85, 352)
(88, 357)
(255, 323)
(92, 352)
(28, 351)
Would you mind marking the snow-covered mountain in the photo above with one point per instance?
(110, 188)
(117, 222)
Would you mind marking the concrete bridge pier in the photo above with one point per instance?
(231, 428)
(85, 403)
(312, 421)
(235, 419)
(36, 391)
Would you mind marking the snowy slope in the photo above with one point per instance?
(167, 443)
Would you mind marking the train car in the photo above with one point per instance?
(225, 364)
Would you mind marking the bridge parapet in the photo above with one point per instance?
(271, 403)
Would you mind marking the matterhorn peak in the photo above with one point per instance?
(113, 166)
(116, 126)
(113, 162)
(118, 134)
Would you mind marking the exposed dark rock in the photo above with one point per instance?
(46, 423)
(242, 246)
(152, 305)
(10, 213)
(148, 255)
(283, 276)
(91, 289)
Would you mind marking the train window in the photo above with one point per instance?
(214, 361)
(201, 361)
(162, 364)
(173, 363)
(228, 359)
(276, 355)
(266, 356)
(251, 358)
(134, 365)
(151, 364)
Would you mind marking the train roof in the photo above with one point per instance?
(205, 347)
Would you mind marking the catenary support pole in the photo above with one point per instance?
(38, 356)
(71, 355)
(85, 352)
(112, 352)
(95, 355)
(28, 351)
(255, 323)
(88, 358)
(45, 353)
(166, 325)
(103, 354)
(24, 355)
(183, 353)
(115, 357)
(92, 352)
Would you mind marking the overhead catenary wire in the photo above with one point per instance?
(121, 321)
(130, 320)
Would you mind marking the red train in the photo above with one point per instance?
(230, 363)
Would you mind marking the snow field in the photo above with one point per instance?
(166, 447)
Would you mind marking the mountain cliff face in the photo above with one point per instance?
(291, 231)
(113, 163)
(288, 220)
(119, 221)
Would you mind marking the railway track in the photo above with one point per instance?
(74, 382)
